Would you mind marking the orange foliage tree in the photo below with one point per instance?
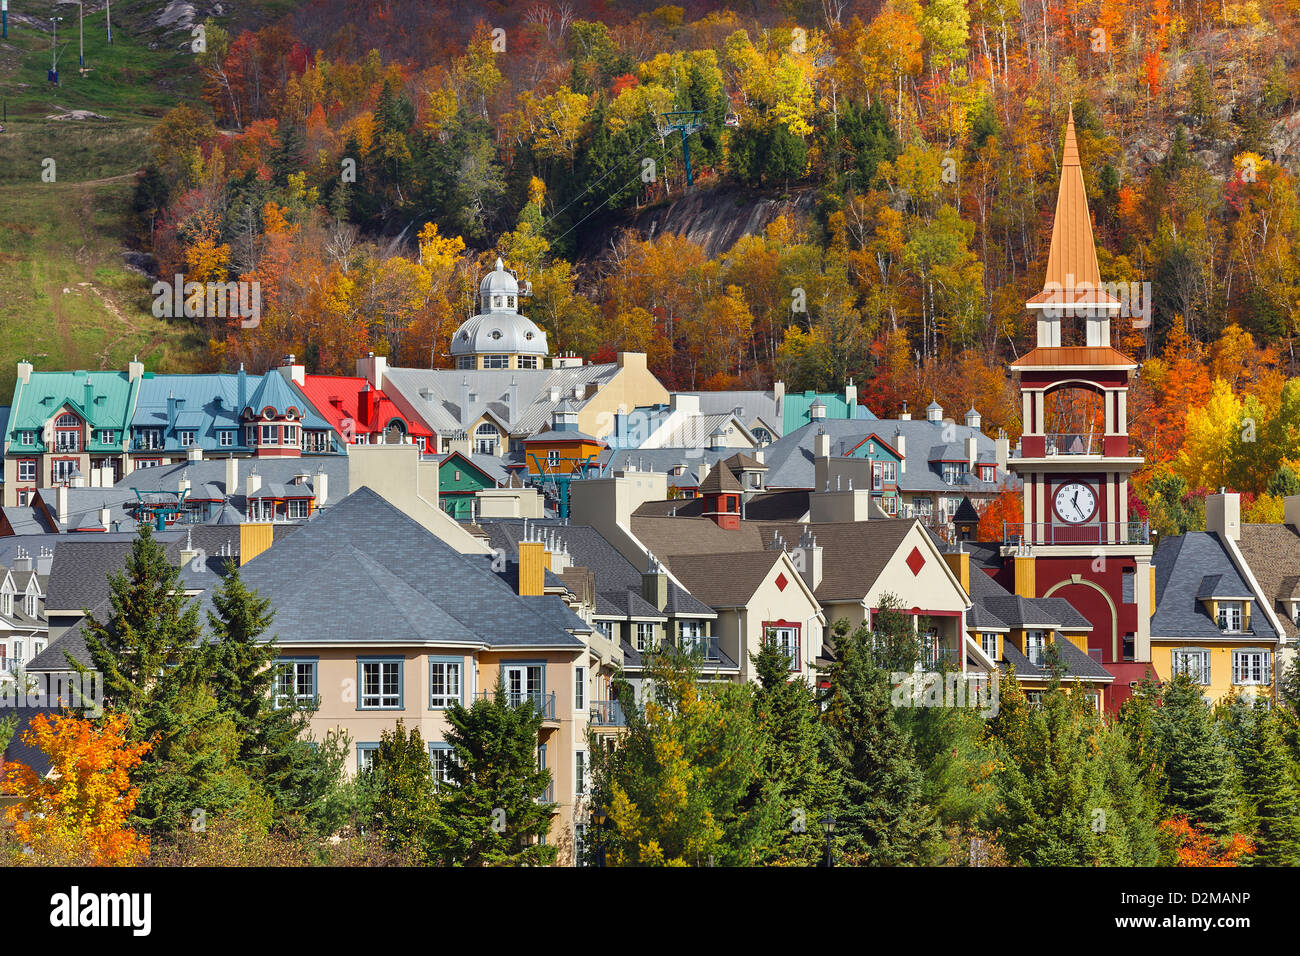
(1009, 506)
(81, 806)
(1194, 847)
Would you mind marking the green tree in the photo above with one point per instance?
(883, 815)
(493, 812)
(1198, 767)
(684, 786)
(401, 803)
(796, 753)
(1268, 785)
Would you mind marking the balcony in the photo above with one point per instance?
(1104, 532)
(548, 795)
(705, 647)
(146, 442)
(607, 713)
(544, 704)
(67, 443)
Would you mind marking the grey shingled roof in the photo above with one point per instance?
(1182, 565)
(418, 587)
(1075, 662)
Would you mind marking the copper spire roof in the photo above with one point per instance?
(1072, 274)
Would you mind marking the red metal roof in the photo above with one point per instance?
(340, 397)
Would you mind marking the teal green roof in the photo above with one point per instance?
(795, 409)
(107, 402)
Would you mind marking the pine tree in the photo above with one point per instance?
(1198, 766)
(796, 755)
(1272, 799)
(492, 813)
(882, 814)
(401, 801)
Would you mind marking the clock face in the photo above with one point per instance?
(1075, 502)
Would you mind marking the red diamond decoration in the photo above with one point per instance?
(781, 581)
(916, 561)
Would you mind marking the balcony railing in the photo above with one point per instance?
(706, 647)
(542, 703)
(607, 713)
(1105, 532)
(932, 657)
(548, 795)
(1073, 443)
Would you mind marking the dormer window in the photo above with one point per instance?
(29, 605)
(988, 473)
(1230, 616)
(953, 471)
(29, 438)
(6, 603)
(187, 439)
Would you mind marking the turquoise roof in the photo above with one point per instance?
(795, 409)
(103, 399)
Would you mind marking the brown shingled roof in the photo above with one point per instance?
(723, 580)
(1071, 356)
(1273, 552)
(720, 480)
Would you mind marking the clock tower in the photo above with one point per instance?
(1076, 541)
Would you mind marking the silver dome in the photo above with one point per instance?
(499, 329)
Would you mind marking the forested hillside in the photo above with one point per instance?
(890, 167)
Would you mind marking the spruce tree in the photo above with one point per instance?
(1272, 799)
(491, 813)
(882, 814)
(796, 755)
(1199, 771)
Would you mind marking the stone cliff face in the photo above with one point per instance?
(714, 217)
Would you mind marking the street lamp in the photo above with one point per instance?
(829, 823)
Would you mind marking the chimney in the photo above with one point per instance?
(134, 368)
(23, 560)
(654, 584)
(905, 415)
(188, 552)
(320, 484)
(464, 403)
(25, 372)
(808, 558)
(45, 561)
(513, 396)
(232, 476)
(61, 498)
(1002, 451)
(372, 369)
(241, 380)
(292, 371)
(183, 485)
(972, 452)
(532, 568)
(366, 404)
(1291, 512)
(900, 445)
(1223, 514)
(89, 397)
(105, 519)
(254, 483)
(851, 394)
(778, 396)
(822, 445)
(171, 408)
(959, 562)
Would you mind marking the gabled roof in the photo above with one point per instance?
(719, 481)
(1076, 664)
(1272, 552)
(1186, 565)
(277, 393)
(724, 580)
(112, 397)
(340, 397)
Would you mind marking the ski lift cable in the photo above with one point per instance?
(631, 155)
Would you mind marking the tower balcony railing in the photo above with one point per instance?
(1073, 443)
(1047, 532)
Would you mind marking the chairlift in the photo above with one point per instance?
(732, 120)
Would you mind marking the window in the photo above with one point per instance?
(226, 438)
(1034, 697)
(1251, 667)
(148, 463)
(580, 688)
(6, 603)
(61, 469)
(297, 508)
(37, 647)
(366, 756)
(989, 644)
(148, 439)
(580, 772)
(1230, 615)
(552, 456)
(953, 472)
(187, 438)
(295, 684)
(250, 435)
(29, 438)
(67, 420)
(923, 506)
(528, 361)
(580, 844)
(19, 656)
(107, 436)
(465, 361)
(27, 469)
(786, 639)
(1034, 644)
(645, 632)
(29, 605)
(496, 361)
(889, 471)
(877, 476)
(1192, 661)
(441, 757)
(988, 472)
(381, 684)
(291, 434)
(485, 440)
(604, 627)
(445, 682)
(268, 435)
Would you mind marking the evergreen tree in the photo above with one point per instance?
(882, 814)
(1268, 783)
(683, 786)
(492, 813)
(401, 802)
(1198, 766)
(796, 753)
